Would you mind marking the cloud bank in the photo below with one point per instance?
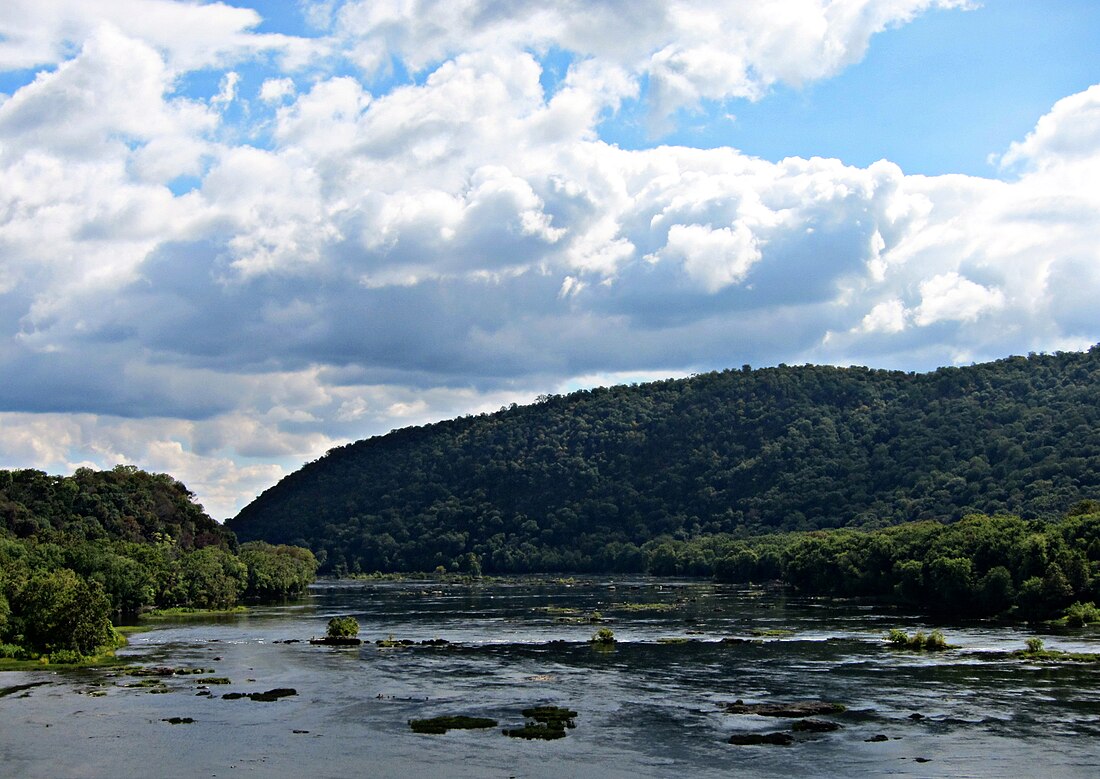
(223, 284)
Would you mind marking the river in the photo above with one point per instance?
(651, 705)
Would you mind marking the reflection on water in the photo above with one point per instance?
(650, 706)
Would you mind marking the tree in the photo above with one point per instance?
(61, 611)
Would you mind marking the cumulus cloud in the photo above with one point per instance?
(352, 257)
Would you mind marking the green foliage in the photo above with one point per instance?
(77, 551)
(603, 636)
(1034, 645)
(277, 572)
(933, 641)
(61, 611)
(617, 479)
(343, 627)
(123, 504)
(1080, 614)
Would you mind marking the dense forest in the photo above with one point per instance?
(78, 552)
(585, 481)
(979, 566)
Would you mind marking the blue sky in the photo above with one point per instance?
(236, 235)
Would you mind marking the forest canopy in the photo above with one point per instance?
(582, 482)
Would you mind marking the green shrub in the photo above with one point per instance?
(932, 641)
(65, 657)
(343, 627)
(12, 652)
(1080, 614)
(603, 636)
(1034, 645)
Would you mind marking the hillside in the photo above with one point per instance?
(123, 504)
(582, 481)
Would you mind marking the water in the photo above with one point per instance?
(645, 709)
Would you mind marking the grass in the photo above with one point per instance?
(631, 607)
(1036, 651)
(187, 612)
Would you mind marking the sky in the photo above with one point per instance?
(236, 235)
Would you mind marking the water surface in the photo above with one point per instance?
(646, 708)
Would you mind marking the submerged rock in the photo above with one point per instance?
(267, 697)
(549, 723)
(815, 726)
(795, 710)
(336, 641)
(532, 730)
(440, 725)
(778, 738)
(877, 738)
(178, 720)
(273, 695)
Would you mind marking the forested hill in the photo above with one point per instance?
(580, 482)
(123, 504)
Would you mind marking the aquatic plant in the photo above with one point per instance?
(933, 641)
(658, 606)
(1034, 645)
(604, 636)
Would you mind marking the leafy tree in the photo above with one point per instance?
(61, 611)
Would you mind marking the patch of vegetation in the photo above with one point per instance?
(79, 552)
(934, 641)
(634, 607)
(1036, 651)
(343, 627)
(1078, 615)
(187, 612)
(603, 636)
(673, 640)
(440, 725)
(771, 632)
(168, 670)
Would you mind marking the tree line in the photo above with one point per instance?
(979, 566)
(79, 553)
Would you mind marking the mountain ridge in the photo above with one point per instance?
(583, 481)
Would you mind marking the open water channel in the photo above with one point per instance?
(648, 707)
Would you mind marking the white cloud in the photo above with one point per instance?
(1068, 134)
(275, 90)
(886, 317)
(350, 261)
(952, 297)
(191, 36)
(713, 258)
